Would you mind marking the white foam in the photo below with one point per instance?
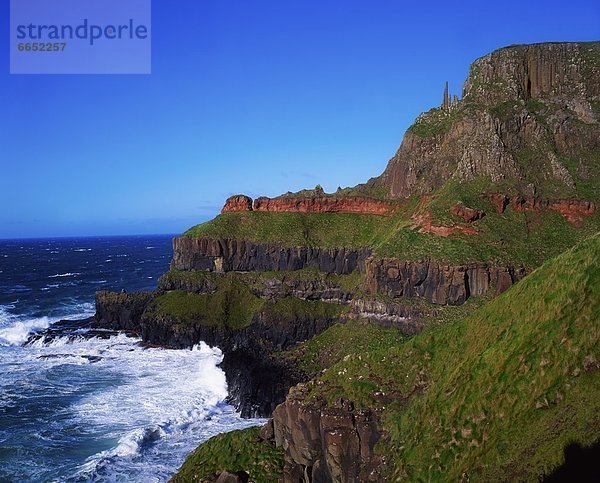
(68, 274)
(15, 330)
(18, 332)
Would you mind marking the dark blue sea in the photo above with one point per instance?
(96, 408)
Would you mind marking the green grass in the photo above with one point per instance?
(326, 230)
(240, 450)
(233, 305)
(496, 395)
(342, 340)
(435, 122)
(295, 308)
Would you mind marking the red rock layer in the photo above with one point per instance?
(237, 203)
(423, 223)
(326, 204)
(572, 209)
(468, 214)
(322, 204)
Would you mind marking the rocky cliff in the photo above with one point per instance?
(529, 114)
(437, 283)
(227, 255)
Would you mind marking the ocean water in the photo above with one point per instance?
(89, 406)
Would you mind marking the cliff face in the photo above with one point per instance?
(321, 444)
(226, 255)
(529, 114)
(437, 283)
(258, 381)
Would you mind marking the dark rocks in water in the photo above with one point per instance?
(258, 383)
(73, 329)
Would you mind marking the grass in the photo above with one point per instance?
(493, 396)
(325, 230)
(435, 122)
(241, 450)
(232, 305)
(295, 308)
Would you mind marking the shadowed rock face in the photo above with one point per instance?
(324, 444)
(541, 97)
(437, 283)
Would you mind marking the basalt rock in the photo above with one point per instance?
(406, 318)
(121, 311)
(226, 255)
(303, 289)
(539, 99)
(327, 443)
(437, 283)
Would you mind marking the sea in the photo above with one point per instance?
(89, 406)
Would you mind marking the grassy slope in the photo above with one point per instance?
(519, 388)
(241, 450)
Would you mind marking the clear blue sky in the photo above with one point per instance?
(259, 97)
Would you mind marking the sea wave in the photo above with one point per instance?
(68, 274)
(15, 329)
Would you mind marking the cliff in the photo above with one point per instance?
(437, 283)
(529, 115)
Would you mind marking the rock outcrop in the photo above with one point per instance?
(438, 283)
(258, 381)
(312, 204)
(227, 255)
(121, 311)
(237, 203)
(327, 443)
(326, 204)
(468, 214)
(574, 210)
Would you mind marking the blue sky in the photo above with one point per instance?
(257, 97)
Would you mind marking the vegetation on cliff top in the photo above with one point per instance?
(241, 450)
(523, 382)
